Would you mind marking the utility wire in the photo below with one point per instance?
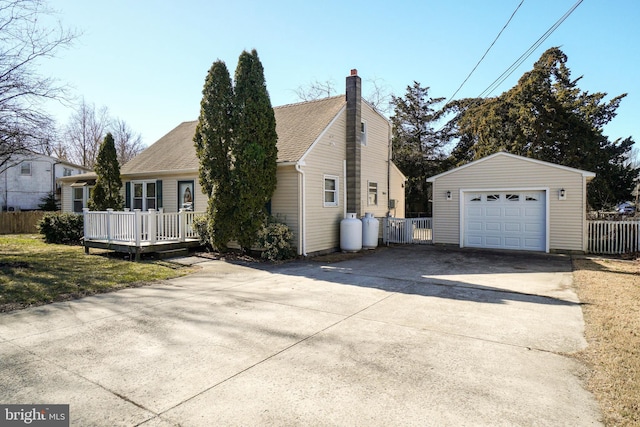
(497, 82)
(486, 52)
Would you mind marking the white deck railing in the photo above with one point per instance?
(139, 227)
(407, 230)
(613, 237)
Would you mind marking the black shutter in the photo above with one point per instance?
(159, 193)
(127, 194)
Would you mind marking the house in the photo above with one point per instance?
(28, 178)
(505, 201)
(333, 158)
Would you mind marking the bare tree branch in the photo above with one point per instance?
(316, 90)
(24, 41)
(128, 143)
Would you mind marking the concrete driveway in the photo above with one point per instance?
(413, 335)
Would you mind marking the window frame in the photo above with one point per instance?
(144, 197)
(369, 186)
(335, 191)
(22, 168)
(363, 132)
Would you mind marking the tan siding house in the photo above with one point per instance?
(506, 201)
(311, 193)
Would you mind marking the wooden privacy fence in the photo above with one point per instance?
(20, 222)
(613, 237)
(407, 230)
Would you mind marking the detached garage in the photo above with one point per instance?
(504, 201)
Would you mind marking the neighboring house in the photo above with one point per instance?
(28, 178)
(505, 201)
(333, 158)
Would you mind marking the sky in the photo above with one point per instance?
(146, 60)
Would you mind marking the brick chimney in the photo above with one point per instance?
(354, 119)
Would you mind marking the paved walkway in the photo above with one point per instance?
(406, 336)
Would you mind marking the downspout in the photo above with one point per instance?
(389, 173)
(302, 250)
(344, 189)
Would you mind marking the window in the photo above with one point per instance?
(513, 197)
(330, 191)
(80, 194)
(66, 172)
(493, 197)
(78, 199)
(150, 195)
(530, 198)
(25, 168)
(363, 132)
(143, 195)
(477, 198)
(373, 194)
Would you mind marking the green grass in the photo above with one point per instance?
(34, 273)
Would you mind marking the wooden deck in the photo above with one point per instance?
(136, 232)
(144, 248)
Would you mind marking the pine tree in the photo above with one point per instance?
(106, 193)
(254, 149)
(213, 141)
(418, 151)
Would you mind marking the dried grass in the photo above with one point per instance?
(610, 292)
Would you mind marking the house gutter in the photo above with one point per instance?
(302, 227)
(389, 173)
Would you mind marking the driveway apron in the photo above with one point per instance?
(408, 335)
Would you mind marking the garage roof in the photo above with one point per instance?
(586, 174)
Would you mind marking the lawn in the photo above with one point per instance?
(34, 273)
(610, 293)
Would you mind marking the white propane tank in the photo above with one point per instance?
(350, 233)
(370, 227)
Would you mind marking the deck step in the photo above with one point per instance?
(172, 253)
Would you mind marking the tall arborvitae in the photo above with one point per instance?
(254, 148)
(106, 193)
(213, 140)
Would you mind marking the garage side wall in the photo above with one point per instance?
(566, 217)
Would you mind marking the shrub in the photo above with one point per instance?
(49, 203)
(201, 226)
(275, 238)
(63, 228)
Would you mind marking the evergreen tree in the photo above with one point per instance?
(106, 193)
(418, 150)
(213, 140)
(254, 149)
(547, 117)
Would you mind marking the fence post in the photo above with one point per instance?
(182, 230)
(84, 228)
(137, 228)
(109, 228)
(152, 226)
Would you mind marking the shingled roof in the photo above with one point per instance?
(298, 126)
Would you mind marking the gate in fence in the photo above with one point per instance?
(407, 230)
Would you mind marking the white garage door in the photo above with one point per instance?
(505, 220)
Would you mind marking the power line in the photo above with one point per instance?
(497, 82)
(486, 52)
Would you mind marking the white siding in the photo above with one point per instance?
(566, 217)
(285, 201)
(374, 162)
(397, 192)
(325, 158)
